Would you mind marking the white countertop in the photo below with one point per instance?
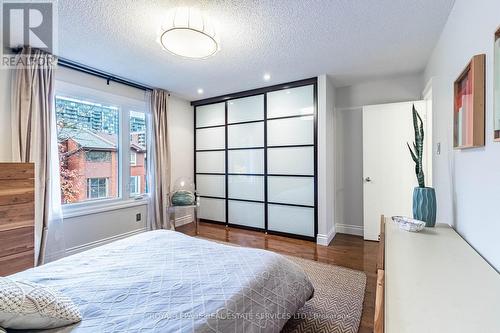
(436, 282)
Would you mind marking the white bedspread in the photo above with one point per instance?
(165, 281)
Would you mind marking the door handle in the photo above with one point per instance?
(368, 179)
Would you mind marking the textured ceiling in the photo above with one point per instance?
(352, 40)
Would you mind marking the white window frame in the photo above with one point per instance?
(125, 104)
(133, 158)
(89, 188)
(137, 184)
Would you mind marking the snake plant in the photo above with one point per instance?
(417, 152)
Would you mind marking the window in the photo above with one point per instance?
(135, 185)
(98, 156)
(133, 158)
(88, 139)
(138, 156)
(97, 188)
(102, 145)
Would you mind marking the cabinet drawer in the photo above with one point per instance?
(13, 192)
(16, 262)
(17, 216)
(16, 240)
(11, 171)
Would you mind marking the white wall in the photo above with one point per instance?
(349, 141)
(349, 185)
(181, 134)
(326, 167)
(379, 91)
(467, 182)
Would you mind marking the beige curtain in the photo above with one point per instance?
(160, 162)
(33, 126)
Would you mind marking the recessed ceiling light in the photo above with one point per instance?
(200, 91)
(189, 33)
(267, 77)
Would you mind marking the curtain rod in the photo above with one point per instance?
(107, 76)
(96, 72)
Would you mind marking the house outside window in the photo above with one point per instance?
(97, 188)
(88, 139)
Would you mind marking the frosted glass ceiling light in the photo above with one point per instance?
(188, 33)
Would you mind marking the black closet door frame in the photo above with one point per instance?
(249, 93)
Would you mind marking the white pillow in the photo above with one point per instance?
(28, 305)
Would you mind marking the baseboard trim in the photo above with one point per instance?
(183, 220)
(349, 229)
(322, 239)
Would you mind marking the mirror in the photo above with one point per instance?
(496, 74)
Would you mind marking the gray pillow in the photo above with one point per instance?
(28, 305)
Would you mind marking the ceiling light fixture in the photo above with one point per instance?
(267, 77)
(189, 33)
(200, 91)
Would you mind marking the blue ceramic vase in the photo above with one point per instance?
(424, 205)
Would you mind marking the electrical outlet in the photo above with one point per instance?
(138, 217)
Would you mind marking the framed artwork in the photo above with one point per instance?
(468, 110)
(496, 78)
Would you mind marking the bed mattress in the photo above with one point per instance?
(165, 281)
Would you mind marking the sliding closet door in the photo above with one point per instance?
(291, 159)
(246, 168)
(210, 137)
(256, 160)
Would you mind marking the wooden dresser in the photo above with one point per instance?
(17, 213)
(433, 281)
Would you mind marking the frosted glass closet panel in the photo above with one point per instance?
(290, 161)
(250, 214)
(290, 102)
(211, 185)
(211, 138)
(212, 209)
(210, 162)
(290, 131)
(245, 135)
(246, 187)
(292, 220)
(245, 109)
(211, 115)
(246, 161)
(291, 190)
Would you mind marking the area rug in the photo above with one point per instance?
(338, 298)
(337, 303)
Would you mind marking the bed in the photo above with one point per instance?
(165, 281)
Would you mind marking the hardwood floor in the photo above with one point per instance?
(345, 250)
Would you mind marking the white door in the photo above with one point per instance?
(388, 170)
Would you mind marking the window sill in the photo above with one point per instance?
(101, 207)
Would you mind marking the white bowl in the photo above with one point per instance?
(408, 224)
